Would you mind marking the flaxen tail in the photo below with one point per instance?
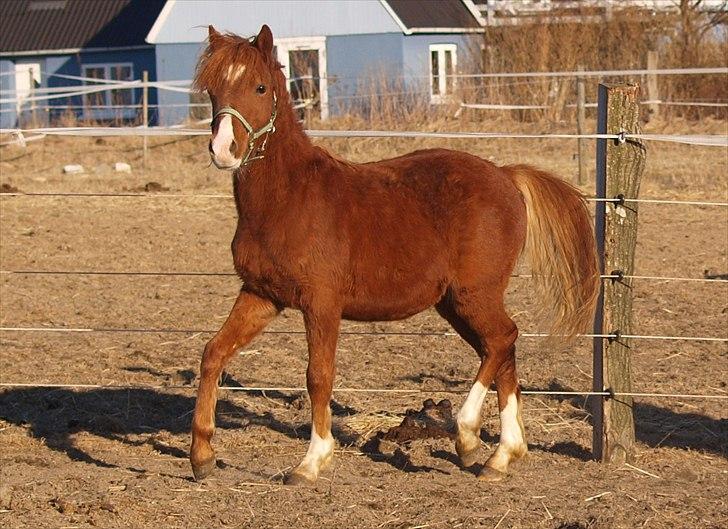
(561, 249)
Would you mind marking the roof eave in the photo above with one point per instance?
(66, 51)
(475, 12)
(397, 20)
(409, 31)
(446, 30)
(151, 37)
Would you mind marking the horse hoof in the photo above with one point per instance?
(491, 474)
(202, 470)
(469, 459)
(467, 451)
(296, 479)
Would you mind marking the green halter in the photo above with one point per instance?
(253, 134)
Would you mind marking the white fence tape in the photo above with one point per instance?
(488, 106)
(493, 75)
(597, 73)
(704, 140)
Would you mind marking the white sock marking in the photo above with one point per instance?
(511, 435)
(319, 451)
(470, 414)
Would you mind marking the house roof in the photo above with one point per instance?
(39, 25)
(425, 16)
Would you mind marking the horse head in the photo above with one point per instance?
(244, 81)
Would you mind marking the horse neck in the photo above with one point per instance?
(264, 184)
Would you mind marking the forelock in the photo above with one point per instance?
(227, 61)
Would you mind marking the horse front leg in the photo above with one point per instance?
(322, 331)
(249, 316)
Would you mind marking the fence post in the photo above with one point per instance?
(653, 93)
(31, 96)
(580, 118)
(145, 113)
(619, 168)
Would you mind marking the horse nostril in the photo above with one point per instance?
(209, 147)
(233, 147)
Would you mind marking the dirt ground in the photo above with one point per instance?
(110, 457)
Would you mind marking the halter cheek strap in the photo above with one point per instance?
(253, 134)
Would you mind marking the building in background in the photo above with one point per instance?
(45, 45)
(522, 12)
(333, 52)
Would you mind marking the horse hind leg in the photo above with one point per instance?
(492, 334)
(512, 444)
(469, 417)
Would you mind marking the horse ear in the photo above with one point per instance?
(212, 34)
(264, 40)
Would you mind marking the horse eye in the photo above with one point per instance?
(260, 89)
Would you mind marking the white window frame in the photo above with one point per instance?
(285, 45)
(109, 113)
(23, 90)
(444, 96)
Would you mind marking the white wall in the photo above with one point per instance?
(186, 21)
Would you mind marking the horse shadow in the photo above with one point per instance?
(135, 417)
(657, 426)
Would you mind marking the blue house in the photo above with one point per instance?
(333, 52)
(46, 44)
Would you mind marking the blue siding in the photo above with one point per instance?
(8, 116)
(187, 21)
(72, 64)
(362, 64)
(175, 62)
(356, 65)
(416, 54)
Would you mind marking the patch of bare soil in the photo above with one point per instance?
(117, 457)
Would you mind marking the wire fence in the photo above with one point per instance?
(706, 140)
(609, 336)
(29, 134)
(404, 391)
(126, 106)
(54, 194)
(715, 279)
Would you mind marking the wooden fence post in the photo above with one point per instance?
(653, 93)
(620, 164)
(580, 119)
(145, 113)
(31, 96)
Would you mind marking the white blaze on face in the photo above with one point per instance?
(221, 142)
(235, 72)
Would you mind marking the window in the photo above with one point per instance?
(304, 65)
(109, 104)
(443, 64)
(27, 79)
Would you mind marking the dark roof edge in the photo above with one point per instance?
(446, 30)
(472, 9)
(31, 53)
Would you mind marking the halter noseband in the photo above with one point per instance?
(253, 134)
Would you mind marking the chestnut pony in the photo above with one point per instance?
(379, 241)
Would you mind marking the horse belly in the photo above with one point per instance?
(394, 294)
